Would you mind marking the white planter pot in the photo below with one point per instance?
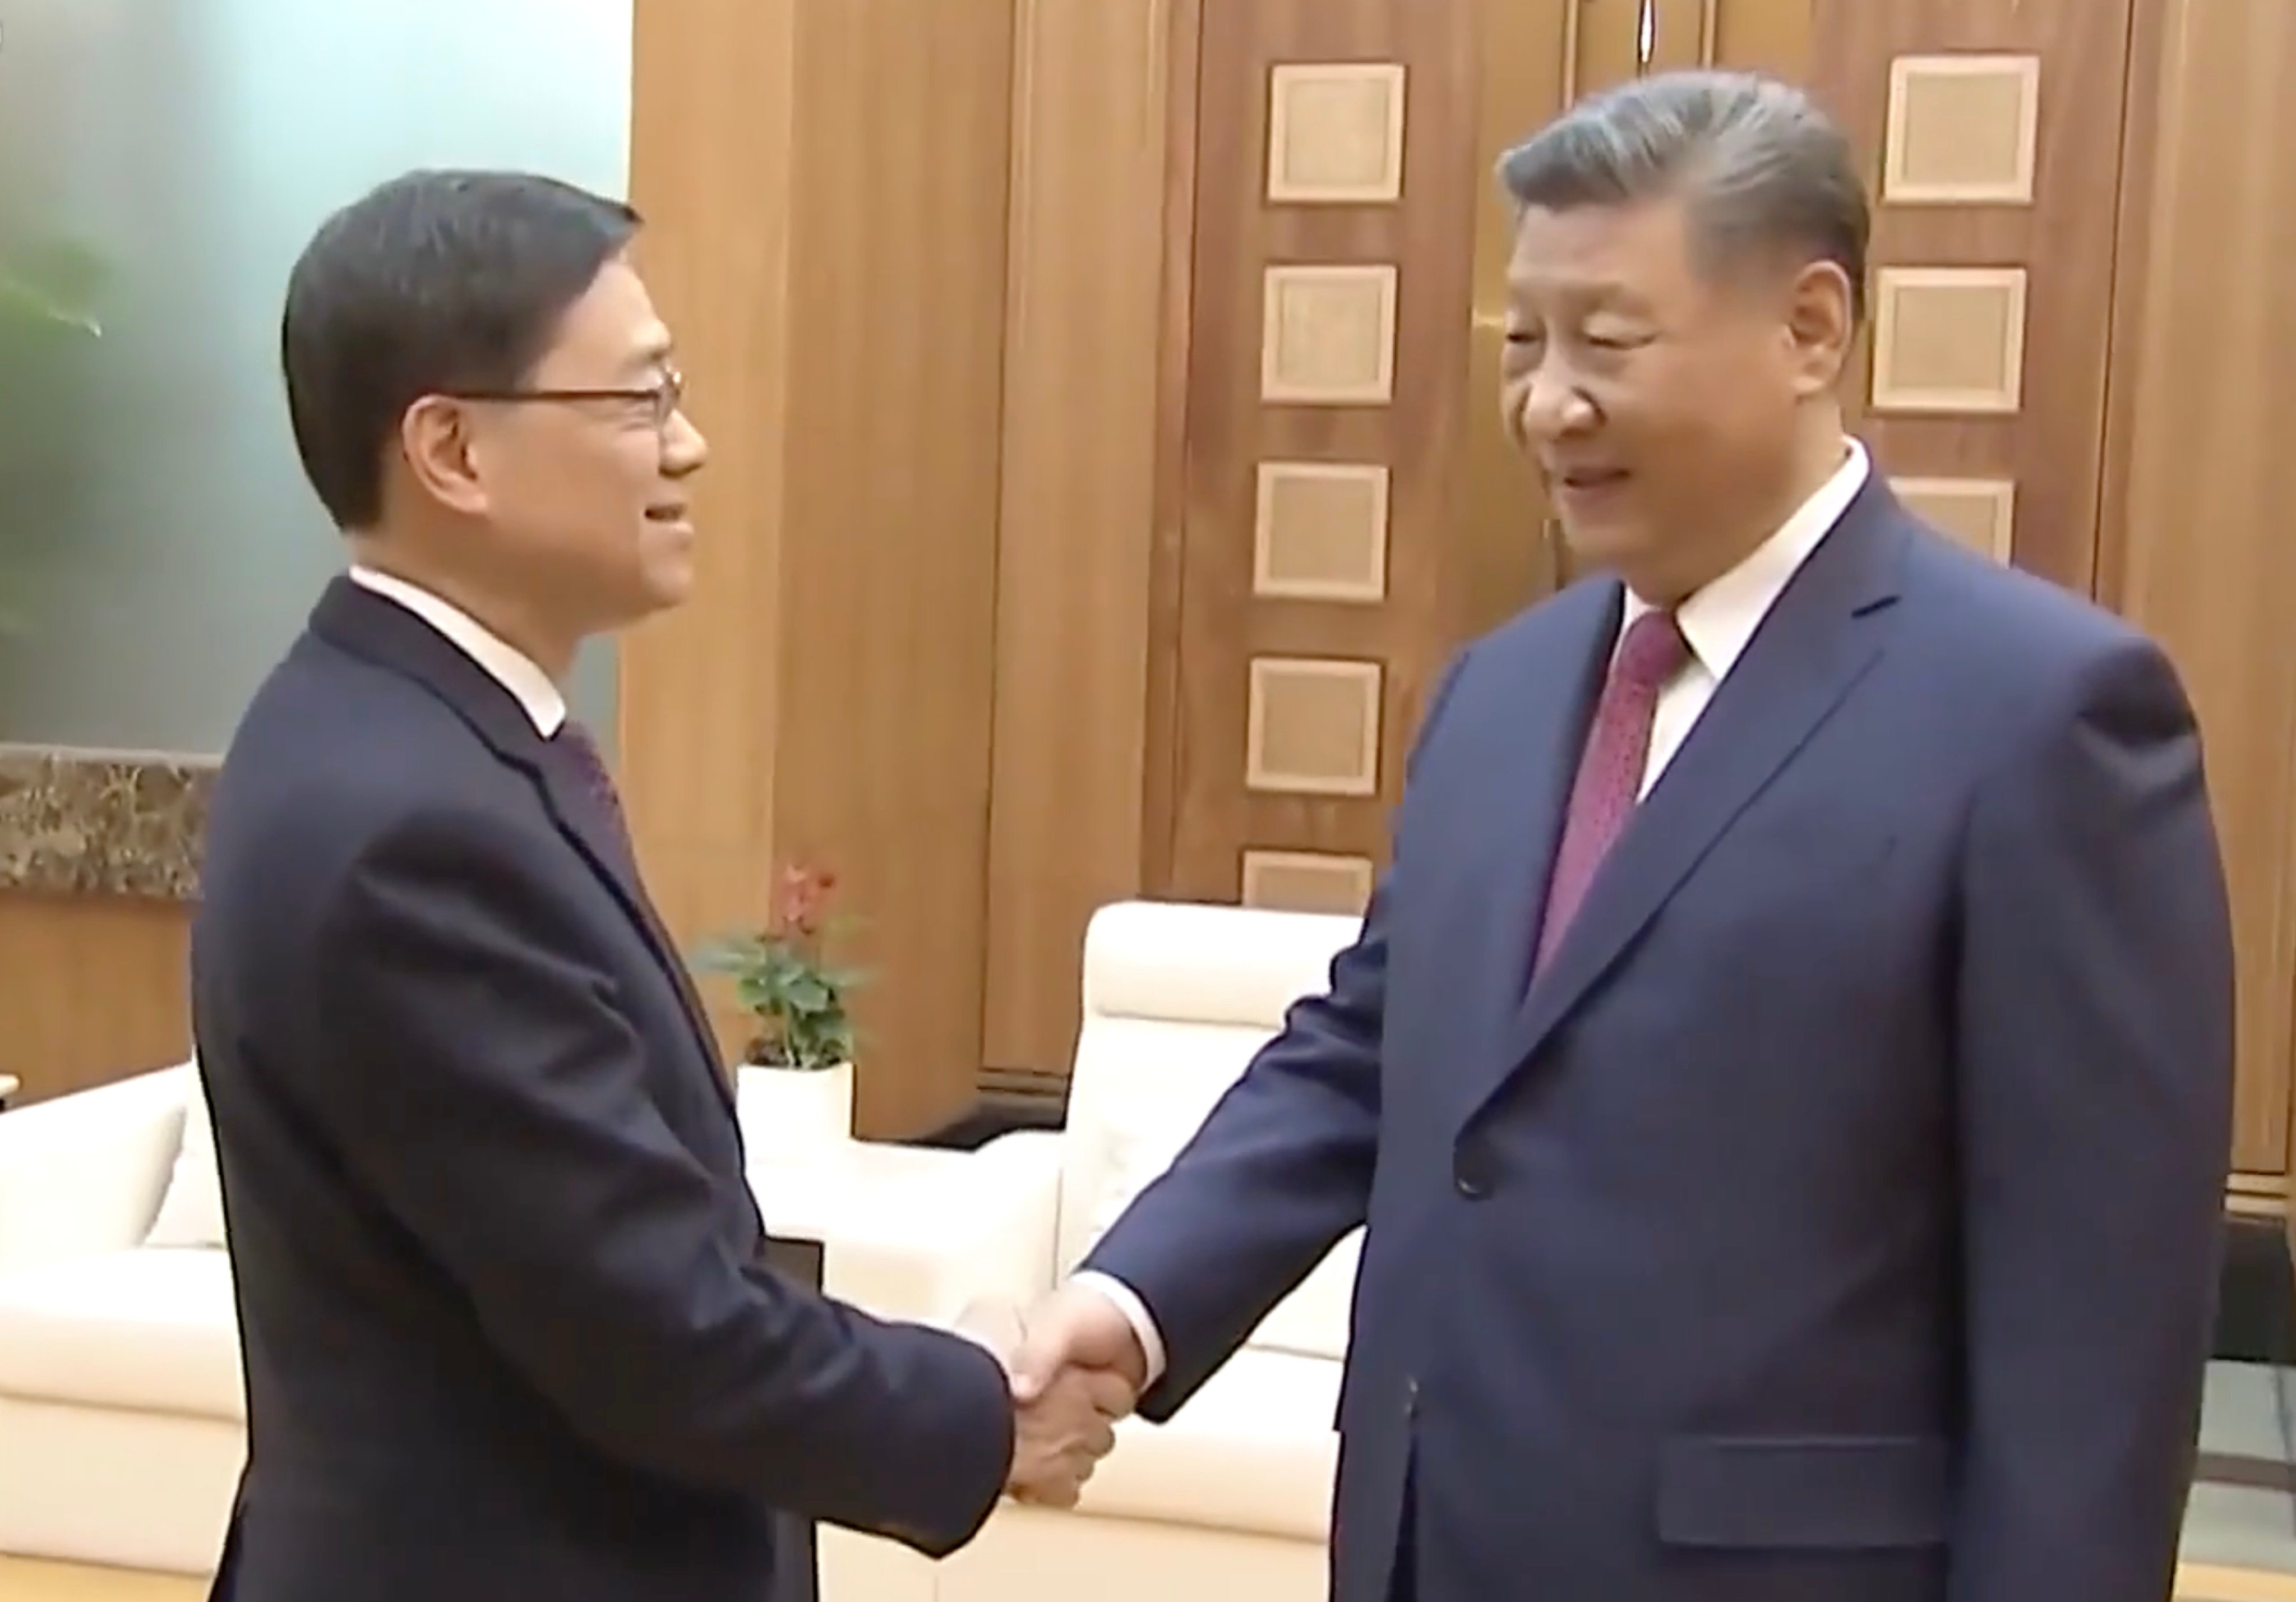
(792, 1116)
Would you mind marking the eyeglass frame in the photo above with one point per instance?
(667, 398)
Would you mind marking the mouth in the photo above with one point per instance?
(1587, 481)
(674, 514)
(1585, 494)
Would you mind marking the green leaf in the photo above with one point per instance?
(52, 283)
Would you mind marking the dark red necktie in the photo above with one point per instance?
(589, 765)
(1610, 779)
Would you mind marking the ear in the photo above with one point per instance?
(1820, 326)
(442, 457)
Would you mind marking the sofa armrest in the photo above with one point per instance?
(83, 1174)
(982, 1225)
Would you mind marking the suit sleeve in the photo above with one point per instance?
(482, 1084)
(1280, 1170)
(2095, 1073)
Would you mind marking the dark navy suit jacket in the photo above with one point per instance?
(1836, 1219)
(507, 1330)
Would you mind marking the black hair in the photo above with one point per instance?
(431, 284)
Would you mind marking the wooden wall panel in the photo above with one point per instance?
(92, 989)
(1323, 330)
(1983, 364)
(2203, 389)
(1504, 546)
(889, 556)
(1084, 296)
(713, 142)
(1761, 35)
(826, 186)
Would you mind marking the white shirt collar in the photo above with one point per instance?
(504, 663)
(1720, 620)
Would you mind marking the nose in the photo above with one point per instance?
(1549, 408)
(683, 447)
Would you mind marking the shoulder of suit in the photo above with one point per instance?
(1976, 605)
(333, 751)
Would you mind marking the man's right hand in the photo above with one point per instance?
(1062, 1432)
(1077, 1328)
(1063, 1415)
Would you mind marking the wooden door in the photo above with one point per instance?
(1992, 136)
(1349, 512)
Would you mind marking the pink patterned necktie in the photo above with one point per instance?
(1610, 779)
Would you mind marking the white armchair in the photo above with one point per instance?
(1233, 1497)
(121, 1417)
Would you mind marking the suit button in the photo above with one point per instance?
(1470, 1174)
(1411, 1398)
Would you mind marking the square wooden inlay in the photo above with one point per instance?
(1312, 726)
(1335, 132)
(1327, 334)
(1962, 130)
(1320, 531)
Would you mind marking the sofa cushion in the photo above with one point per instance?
(153, 1329)
(1152, 1082)
(191, 1212)
(1254, 1450)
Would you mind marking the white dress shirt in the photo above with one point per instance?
(1718, 623)
(504, 663)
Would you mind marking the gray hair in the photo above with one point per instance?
(1762, 170)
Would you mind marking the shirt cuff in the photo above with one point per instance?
(1127, 1300)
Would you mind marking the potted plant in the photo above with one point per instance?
(795, 1088)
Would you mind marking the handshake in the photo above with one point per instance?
(1076, 1368)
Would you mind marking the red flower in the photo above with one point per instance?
(804, 893)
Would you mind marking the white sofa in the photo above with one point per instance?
(121, 1415)
(1233, 1497)
(122, 1426)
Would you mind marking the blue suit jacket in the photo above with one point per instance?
(1837, 1215)
(509, 1329)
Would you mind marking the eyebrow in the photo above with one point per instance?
(653, 353)
(1584, 296)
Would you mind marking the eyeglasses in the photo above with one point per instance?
(662, 400)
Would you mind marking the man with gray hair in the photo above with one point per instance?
(1785, 1069)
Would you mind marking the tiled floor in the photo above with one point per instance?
(2251, 1413)
(2240, 1542)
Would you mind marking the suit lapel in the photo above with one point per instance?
(593, 831)
(382, 631)
(1818, 640)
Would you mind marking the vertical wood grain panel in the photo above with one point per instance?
(1683, 34)
(92, 989)
(889, 557)
(1764, 35)
(1160, 782)
(1423, 241)
(827, 189)
(711, 146)
(2050, 444)
(1500, 509)
(1602, 46)
(1084, 295)
(2204, 390)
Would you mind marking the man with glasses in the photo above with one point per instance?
(508, 1329)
